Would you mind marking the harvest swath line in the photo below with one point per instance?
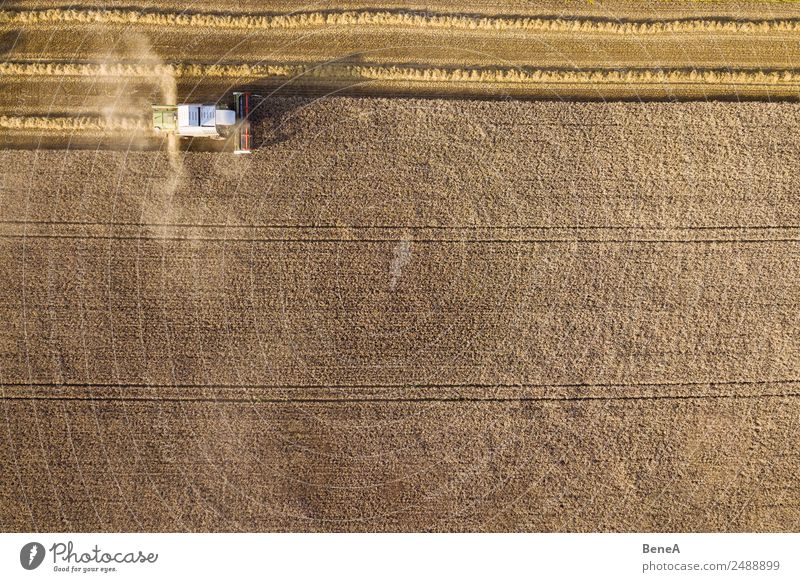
(75, 123)
(406, 73)
(396, 18)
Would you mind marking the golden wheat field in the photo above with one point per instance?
(490, 266)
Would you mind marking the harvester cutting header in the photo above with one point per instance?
(208, 120)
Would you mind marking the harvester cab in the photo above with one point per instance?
(208, 120)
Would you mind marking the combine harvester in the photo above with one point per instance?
(208, 120)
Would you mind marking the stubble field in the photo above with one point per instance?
(81, 71)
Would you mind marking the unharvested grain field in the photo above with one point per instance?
(402, 314)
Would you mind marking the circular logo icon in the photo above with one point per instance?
(31, 555)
